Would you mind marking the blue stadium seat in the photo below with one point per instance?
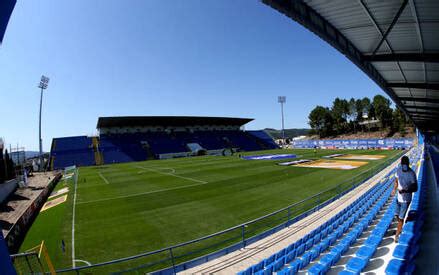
(405, 252)
(278, 264)
(269, 260)
(397, 267)
(280, 254)
(365, 252)
(290, 256)
(317, 269)
(353, 220)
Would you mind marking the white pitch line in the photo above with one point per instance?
(102, 177)
(169, 174)
(73, 221)
(141, 194)
(82, 261)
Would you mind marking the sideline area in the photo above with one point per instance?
(24, 204)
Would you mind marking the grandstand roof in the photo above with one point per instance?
(130, 121)
(396, 43)
(6, 7)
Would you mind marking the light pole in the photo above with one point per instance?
(282, 100)
(43, 85)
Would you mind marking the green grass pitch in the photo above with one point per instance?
(126, 209)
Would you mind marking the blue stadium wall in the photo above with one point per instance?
(390, 143)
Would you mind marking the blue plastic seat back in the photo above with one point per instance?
(309, 244)
(290, 256)
(300, 250)
(306, 258)
(268, 270)
(317, 238)
(295, 266)
(280, 254)
(258, 266)
(278, 264)
(269, 260)
(290, 248)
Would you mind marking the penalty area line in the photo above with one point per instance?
(141, 194)
(173, 175)
(102, 177)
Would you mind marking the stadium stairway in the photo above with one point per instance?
(97, 153)
(320, 236)
(421, 228)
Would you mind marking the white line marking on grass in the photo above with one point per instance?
(82, 261)
(141, 194)
(73, 220)
(102, 177)
(165, 168)
(169, 174)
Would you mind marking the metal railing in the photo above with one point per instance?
(188, 254)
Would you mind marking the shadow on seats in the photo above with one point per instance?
(335, 270)
(381, 251)
(374, 264)
(386, 241)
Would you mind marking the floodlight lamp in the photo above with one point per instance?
(44, 79)
(44, 82)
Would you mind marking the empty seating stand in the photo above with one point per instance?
(127, 147)
(264, 139)
(70, 151)
(323, 247)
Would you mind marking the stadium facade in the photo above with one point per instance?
(126, 139)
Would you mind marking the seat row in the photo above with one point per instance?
(334, 255)
(369, 247)
(299, 254)
(407, 248)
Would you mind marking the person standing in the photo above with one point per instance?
(405, 184)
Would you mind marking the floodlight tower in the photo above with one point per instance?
(282, 100)
(44, 82)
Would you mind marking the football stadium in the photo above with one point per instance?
(168, 194)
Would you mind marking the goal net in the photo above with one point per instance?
(34, 261)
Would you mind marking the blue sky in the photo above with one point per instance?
(144, 57)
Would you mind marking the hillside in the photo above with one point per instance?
(375, 134)
(289, 133)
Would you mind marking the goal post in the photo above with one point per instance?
(34, 261)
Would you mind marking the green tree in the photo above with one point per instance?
(321, 121)
(399, 121)
(353, 115)
(383, 112)
(359, 109)
(340, 113)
